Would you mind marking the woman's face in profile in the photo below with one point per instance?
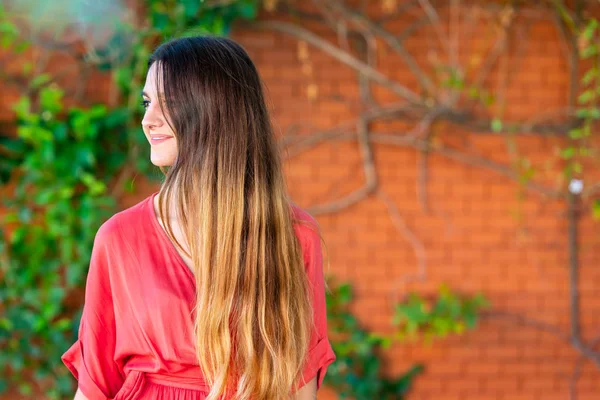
(163, 144)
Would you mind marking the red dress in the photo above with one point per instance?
(136, 332)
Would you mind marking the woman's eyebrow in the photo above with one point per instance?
(160, 95)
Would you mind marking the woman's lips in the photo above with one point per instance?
(156, 139)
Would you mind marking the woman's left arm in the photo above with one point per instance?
(307, 392)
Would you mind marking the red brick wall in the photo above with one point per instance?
(471, 237)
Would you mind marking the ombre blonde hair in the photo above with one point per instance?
(253, 313)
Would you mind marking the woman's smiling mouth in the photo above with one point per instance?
(156, 139)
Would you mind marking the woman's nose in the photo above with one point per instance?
(152, 119)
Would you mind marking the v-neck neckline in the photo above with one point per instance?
(163, 234)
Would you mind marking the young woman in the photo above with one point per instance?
(212, 287)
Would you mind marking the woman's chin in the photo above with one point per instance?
(161, 161)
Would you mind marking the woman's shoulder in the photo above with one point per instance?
(302, 218)
(309, 235)
(118, 226)
(306, 226)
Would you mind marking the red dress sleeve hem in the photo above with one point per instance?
(72, 359)
(320, 357)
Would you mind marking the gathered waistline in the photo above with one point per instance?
(136, 380)
(178, 381)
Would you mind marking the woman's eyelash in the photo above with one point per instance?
(145, 103)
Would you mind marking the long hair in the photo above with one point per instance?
(253, 308)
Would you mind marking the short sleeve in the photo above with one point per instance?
(91, 358)
(320, 354)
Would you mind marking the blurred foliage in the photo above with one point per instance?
(59, 201)
(357, 372)
(449, 314)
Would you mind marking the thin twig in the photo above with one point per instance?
(297, 144)
(338, 25)
(416, 244)
(436, 23)
(454, 30)
(401, 10)
(423, 173)
(494, 54)
(569, 44)
(526, 321)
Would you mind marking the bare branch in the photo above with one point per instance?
(366, 151)
(338, 25)
(571, 51)
(412, 28)
(344, 202)
(498, 49)
(302, 143)
(573, 219)
(577, 370)
(526, 321)
(586, 351)
(367, 53)
(591, 190)
(454, 32)
(435, 21)
(423, 174)
(340, 55)
(464, 158)
(370, 177)
(402, 9)
(416, 244)
(366, 24)
(425, 124)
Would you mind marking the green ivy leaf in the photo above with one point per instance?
(567, 153)
(8, 33)
(25, 389)
(39, 80)
(590, 75)
(576, 133)
(590, 29)
(596, 209)
(473, 92)
(496, 125)
(586, 96)
(51, 99)
(589, 51)
(22, 107)
(6, 324)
